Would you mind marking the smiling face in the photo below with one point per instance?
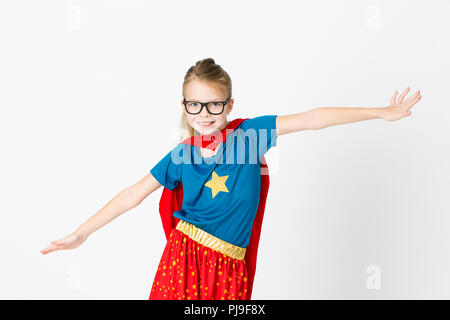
(201, 91)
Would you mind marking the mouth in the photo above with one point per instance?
(206, 124)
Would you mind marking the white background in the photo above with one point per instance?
(90, 97)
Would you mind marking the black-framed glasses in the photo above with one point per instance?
(213, 107)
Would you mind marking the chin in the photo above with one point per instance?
(207, 130)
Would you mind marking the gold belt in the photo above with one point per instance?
(211, 241)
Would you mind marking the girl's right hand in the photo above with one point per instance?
(71, 241)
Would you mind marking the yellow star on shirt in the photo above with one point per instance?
(217, 184)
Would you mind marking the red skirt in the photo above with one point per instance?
(189, 270)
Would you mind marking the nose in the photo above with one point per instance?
(204, 112)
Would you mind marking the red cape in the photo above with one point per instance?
(172, 200)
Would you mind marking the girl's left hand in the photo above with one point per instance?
(398, 108)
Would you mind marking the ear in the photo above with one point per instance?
(230, 105)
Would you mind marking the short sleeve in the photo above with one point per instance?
(168, 170)
(265, 128)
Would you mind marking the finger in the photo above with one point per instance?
(413, 102)
(59, 241)
(57, 244)
(46, 250)
(49, 249)
(413, 97)
(400, 99)
(393, 97)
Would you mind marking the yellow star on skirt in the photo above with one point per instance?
(217, 184)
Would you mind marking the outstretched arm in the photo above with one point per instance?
(128, 198)
(323, 117)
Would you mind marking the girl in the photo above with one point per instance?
(220, 184)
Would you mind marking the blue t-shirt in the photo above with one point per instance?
(221, 193)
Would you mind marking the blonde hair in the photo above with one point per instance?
(205, 70)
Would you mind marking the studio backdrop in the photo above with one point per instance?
(90, 100)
